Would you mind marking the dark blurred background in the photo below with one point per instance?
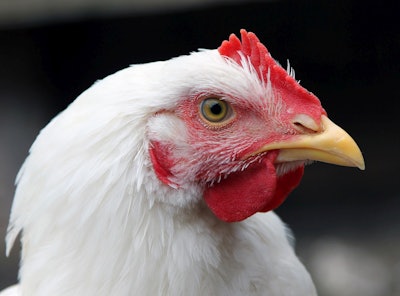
(346, 221)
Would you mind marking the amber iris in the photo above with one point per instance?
(214, 110)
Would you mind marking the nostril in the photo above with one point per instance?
(305, 124)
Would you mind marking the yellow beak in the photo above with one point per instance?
(331, 145)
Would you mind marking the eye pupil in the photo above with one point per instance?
(216, 108)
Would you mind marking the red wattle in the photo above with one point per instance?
(256, 189)
(285, 184)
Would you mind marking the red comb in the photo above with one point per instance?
(249, 47)
(258, 55)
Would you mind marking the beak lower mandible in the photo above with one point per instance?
(331, 145)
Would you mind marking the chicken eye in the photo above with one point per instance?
(214, 110)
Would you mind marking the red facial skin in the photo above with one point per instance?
(242, 193)
(216, 158)
(216, 155)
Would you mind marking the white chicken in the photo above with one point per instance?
(152, 181)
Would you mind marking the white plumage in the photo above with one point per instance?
(96, 220)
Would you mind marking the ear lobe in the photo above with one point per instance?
(166, 134)
(162, 163)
